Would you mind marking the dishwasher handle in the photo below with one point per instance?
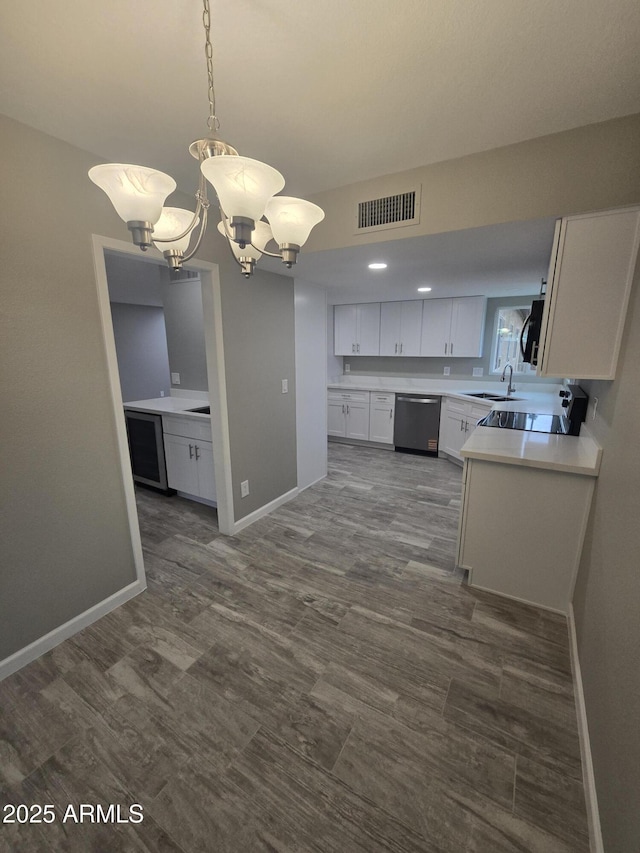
(417, 399)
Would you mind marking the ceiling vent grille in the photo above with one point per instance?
(393, 211)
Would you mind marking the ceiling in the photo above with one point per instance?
(507, 259)
(331, 93)
(328, 92)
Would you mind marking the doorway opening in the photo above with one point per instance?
(110, 254)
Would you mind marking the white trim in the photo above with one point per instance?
(102, 288)
(265, 510)
(506, 595)
(308, 486)
(588, 778)
(44, 644)
(212, 309)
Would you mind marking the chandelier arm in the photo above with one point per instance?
(203, 228)
(269, 254)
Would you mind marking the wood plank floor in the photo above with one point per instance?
(323, 681)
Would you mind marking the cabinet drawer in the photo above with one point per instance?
(386, 399)
(187, 427)
(457, 407)
(349, 396)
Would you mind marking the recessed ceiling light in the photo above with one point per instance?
(424, 289)
(377, 266)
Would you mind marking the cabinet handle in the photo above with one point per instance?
(190, 451)
(396, 349)
(390, 414)
(353, 348)
(451, 350)
(197, 452)
(445, 349)
(466, 426)
(401, 348)
(347, 408)
(343, 412)
(358, 345)
(461, 424)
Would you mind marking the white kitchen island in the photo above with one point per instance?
(525, 504)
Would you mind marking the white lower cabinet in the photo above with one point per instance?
(458, 419)
(348, 414)
(381, 417)
(522, 529)
(189, 457)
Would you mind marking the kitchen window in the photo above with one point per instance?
(509, 320)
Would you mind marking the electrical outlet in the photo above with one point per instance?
(478, 371)
(162, 393)
(244, 488)
(175, 378)
(285, 386)
(347, 368)
(446, 371)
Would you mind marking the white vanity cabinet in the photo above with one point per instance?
(401, 327)
(381, 417)
(189, 456)
(589, 282)
(356, 329)
(458, 419)
(453, 328)
(348, 414)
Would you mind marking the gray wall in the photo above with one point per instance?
(607, 598)
(64, 530)
(432, 368)
(259, 345)
(184, 320)
(141, 347)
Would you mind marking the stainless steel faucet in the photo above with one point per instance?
(510, 388)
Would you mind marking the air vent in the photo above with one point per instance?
(393, 211)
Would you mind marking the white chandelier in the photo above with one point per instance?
(246, 191)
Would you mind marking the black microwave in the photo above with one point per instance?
(531, 332)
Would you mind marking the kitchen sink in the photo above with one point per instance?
(495, 398)
(201, 410)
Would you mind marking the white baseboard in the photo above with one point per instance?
(308, 486)
(44, 644)
(264, 510)
(588, 778)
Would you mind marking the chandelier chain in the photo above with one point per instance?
(212, 121)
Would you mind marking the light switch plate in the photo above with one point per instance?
(446, 371)
(175, 378)
(347, 367)
(244, 488)
(478, 371)
(285, 386)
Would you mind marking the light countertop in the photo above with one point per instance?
(572, 454)
(169, 406)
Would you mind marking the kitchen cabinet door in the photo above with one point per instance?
(436, 328)
(381, 418)
(336, 419)
(345, 329)
(206, 472)
(401, 327)
(358, 421)
(368, 322)
(182, 473)
(590, 278)
(467, 326)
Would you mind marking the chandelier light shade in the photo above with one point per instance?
(173, 222)
(245, 189)
(292, 219)
(137, 193)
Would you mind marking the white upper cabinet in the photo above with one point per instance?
(401, 327)
(357, 329)
(453, 328)
(589, 283)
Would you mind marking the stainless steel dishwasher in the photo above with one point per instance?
(417, 423)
